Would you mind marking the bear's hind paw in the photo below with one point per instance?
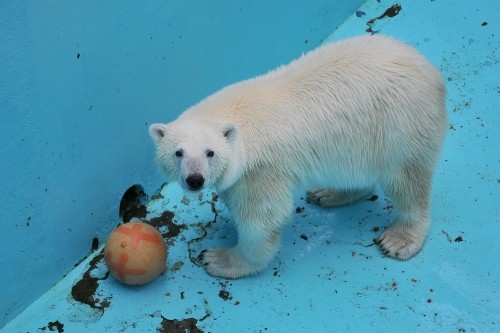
(401, 241)
(326, 197)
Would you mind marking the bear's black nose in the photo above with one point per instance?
(195, 181)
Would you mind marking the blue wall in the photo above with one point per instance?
(79, 83)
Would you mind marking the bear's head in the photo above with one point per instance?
(197, 155)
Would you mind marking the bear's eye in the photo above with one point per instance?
(178, 153)
(210, 153)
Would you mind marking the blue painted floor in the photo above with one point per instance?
(328, 277)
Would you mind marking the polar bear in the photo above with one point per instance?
(342, 118)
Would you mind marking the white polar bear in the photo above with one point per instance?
(342, 118)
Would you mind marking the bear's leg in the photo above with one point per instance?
(326, 197)
(410, 192)
(255, 249)
(259, 216)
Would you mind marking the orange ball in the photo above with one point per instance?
(135, 253)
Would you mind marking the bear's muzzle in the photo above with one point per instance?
(195, 181)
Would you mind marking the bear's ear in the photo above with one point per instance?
(157, 132)
(230, 132)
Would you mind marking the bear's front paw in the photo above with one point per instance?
(401, 241)
(226, 263)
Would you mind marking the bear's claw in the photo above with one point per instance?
(199, 259)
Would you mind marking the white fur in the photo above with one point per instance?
(344, 117)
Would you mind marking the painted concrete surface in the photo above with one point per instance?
(328, 276)
(79, 83)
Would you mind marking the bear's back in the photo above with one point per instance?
(362, 99)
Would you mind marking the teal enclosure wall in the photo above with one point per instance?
(80, 81)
